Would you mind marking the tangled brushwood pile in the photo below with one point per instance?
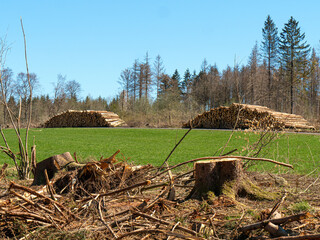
(245, 116)
(111, 199)
(86, 118)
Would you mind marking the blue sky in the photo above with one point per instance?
(93, 41)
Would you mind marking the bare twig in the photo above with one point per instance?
(117, 191)
(234, 128)
(26, 157)
(310, 185)
(75, 157)
(25, 215)
(164, 222)
(302, 237)
(152, 230)
(3, 170)
(31, 202)
(277, 205)
(49, 187)
(174, 148)
(33, 192)
(33, 159)
(104, 222)
(156, 199)
(261, 224)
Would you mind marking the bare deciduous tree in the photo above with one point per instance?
(7, 81)
(73, 89)
(23, 90)
(21, 160)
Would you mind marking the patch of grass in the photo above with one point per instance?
(302, 206)
(231, 217)
(253, 214)
(144, 146)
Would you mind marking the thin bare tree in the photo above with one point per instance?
(21, 160)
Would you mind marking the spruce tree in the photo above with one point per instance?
(176, 82)
(269, 50)
(294, 56)
(186, 83)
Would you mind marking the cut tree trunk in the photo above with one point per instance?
(53, 165)
(225, 177)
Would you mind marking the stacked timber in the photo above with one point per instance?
(245, 116)
(86, 118)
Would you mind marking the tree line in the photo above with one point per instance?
(16, 92)
(282, 73)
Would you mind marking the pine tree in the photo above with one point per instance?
(294, 53)
(200, 89)
(164, 84)
(269, 51)
(186, 83)
(175, 82)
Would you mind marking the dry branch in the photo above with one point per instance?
(164, 222)
(104, 222)
(302, 237)
(262, 224)
(49, 186)
(152, 230)
(3, 170)
(31, 202)
(117, 191)
(33, 192)
(24, 215)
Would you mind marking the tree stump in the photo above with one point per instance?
(53, 165)
(225, 177)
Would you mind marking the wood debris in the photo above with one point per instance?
(112, 199)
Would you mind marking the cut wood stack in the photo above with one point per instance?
(245, 116)
(86, 118)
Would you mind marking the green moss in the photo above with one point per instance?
(210, 197)
(228, 189)
(254, 192)
(245, 188)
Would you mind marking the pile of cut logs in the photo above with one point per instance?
(86, 118)
(245, 116)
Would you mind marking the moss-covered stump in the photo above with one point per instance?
(225, 177)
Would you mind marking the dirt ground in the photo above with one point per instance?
(100, 207)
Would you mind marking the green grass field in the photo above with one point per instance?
(144, 146)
